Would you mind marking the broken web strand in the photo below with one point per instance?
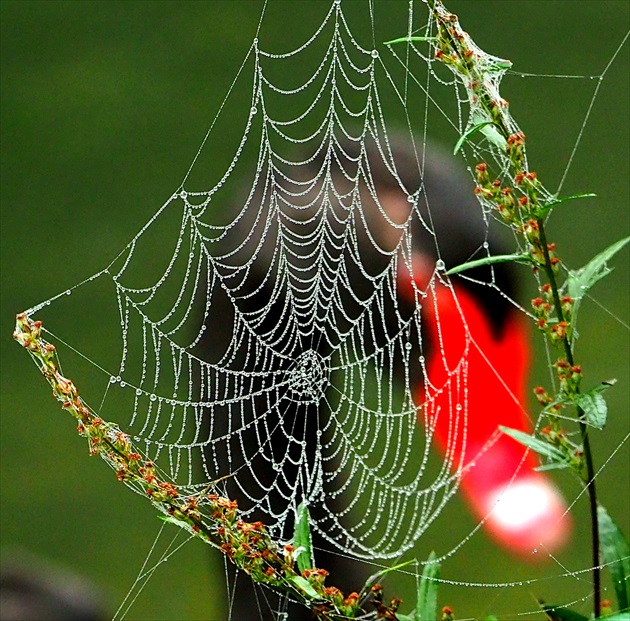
(153, 391)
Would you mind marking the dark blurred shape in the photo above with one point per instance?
(447, 214)
(34, 589)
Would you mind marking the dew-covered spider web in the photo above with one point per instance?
(287, 331)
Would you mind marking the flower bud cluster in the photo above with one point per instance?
(384, 611)
(211, 517)
(573, 453)
(569, 375)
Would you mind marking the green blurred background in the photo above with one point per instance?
(104, 105)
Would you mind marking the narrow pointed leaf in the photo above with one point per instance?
(501, 64)
(616, 554)
(498, 258)
(302, 584)
(560, 465)
(378, 576)
(410, 40)
(427, 606)
(539, 446)
(466, 135)
(554, 202)
(302, 539)
(580, 281)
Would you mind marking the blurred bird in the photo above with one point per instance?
(520, 508)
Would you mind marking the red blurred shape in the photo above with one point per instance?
(476, 380)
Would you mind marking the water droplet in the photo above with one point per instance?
(183, 194)
(112, 380)
(123, 384)
(458, 407)
(408, 346)
(153, 397)
(486, 245)
(68, 292)
(420, 358)
(254, 110)
(439, 265)
(410, 198)
(374, 53)
(138, 391)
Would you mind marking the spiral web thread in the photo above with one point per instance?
(250, 320)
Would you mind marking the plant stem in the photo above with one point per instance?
(457, 50)
(586, 444)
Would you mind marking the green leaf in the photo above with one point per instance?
(615, 553)
(618, 616)
(302, 539)
(305, 586)
(594, 407)
(560, 465)
(580, 281)
(539, 446)
(489, 130)
(466, 135)
(376, 577)
(427, 606)
(554, 202)
(501, 64)
(558, 613)
(497, 258)
(170, 519)
(411, 40)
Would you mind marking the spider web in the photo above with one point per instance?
(268, 346)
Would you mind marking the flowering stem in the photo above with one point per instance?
(212, 518)
(586, 443)
(521, 206)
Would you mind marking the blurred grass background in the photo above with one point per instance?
(104, 105)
